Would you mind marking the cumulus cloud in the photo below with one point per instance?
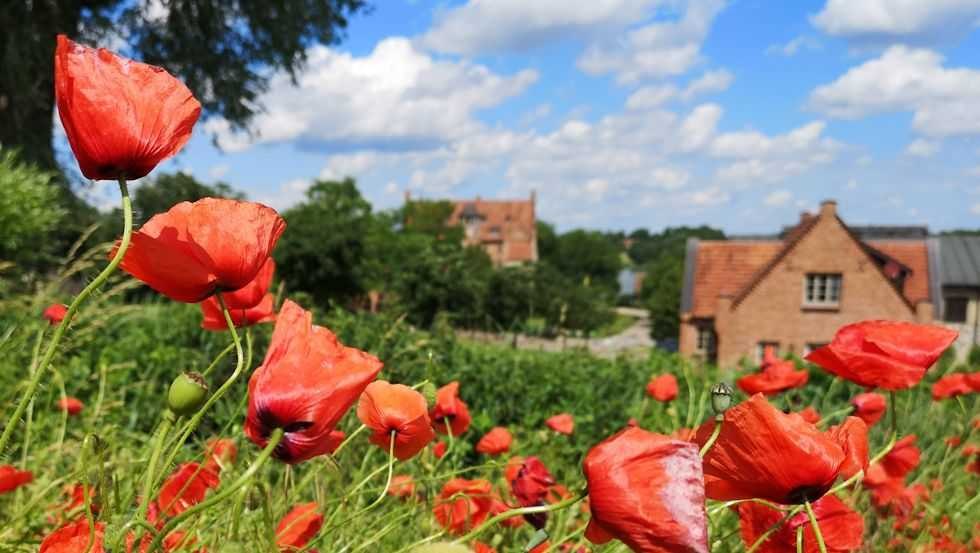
(922, 148)
(794, 46)
(886, 21)
(778, 198)
(396, 98)
(944, 101)
(219, 170)
(759, 157)
(661, 49)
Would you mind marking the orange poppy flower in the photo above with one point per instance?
(402, 485)
(810, 414)
(71, 405)
(951, 385)
(220, 454)
(439, 449)
(841, 527)
(197, 249)
(450, 411)
(463, 504)
(480, 547)
(298, 527)
(121, 117)
(395, 408)
(762, 452)
(73, 538)
(55, 313)
(883, 354)
(646, 490)
(869, 407)
(562, 423)
(512, 467)
(495, 442)
(305, 385)
(852, 435)
(775, 375)
(663, 387)
(186, 487)
(11, 478)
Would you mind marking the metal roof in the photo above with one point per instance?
(959, 260)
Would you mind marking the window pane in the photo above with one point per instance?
(956, 310)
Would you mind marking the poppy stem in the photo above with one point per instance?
(165, 426)
(348, 439)
(520, 512)
(799, 539)
(59, 331)
(719, 419)
(816, 527)
(224, 494)
(894, 409)
(218, 359)
(772, 529)
(30, 405)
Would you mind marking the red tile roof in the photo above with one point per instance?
(726, 267)
(510, 222)
(913, 254)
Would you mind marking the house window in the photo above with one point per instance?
(760, 350)
(822, 290)
(706, 340)
(955, 311)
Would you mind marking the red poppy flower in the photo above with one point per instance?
(74, 499)
(973, 379)
(647, 491)
(220, 454)
(214, 319)
(841, 527)
(186, 487)
(11, 478)
(495, 442)
(531, 483)
(306, 384)
(951, 385)
(902, 458)
(439, 449)
(402, 485)
(463, 504)
(890, 492)
(450, 410)
(810, 415)
(55, 313)
(762, 452)
(562, 423)
(632, 422)
(497, 506)
(852, 435)
(512, 467)
(884, 354)
(775, 375)
(684, 434)
(662, 387)
(480, 547)
(869, 407)
(73, 538)
(298, 527)
(121, 117)
(395, 408)
(197, 249)
(71, 405)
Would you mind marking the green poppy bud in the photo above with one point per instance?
(429, 392)
(187, 394)
(721, 397)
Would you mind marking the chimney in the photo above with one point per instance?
(828, 208)
(534, 196)
(805, 216)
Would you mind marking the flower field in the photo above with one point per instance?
(219, 414)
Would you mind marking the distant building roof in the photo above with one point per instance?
(510, 223)
(959, 260)
(880, 232)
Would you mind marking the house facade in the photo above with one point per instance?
(957, 263)
(792, 292)
(505, 229)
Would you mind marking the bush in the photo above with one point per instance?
(29, 212)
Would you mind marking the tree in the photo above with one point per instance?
(547, 241)
(588, 257)
(29, 212)
(323, 249)
(224, 51)
(431, 217)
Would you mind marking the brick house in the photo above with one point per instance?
(793, 291)
(505, 229)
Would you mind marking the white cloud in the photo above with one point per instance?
(885, 21)
(660, 49)
(652, 96)
(219, 170)
(794, 46)
(778, 198)
(698, 127)
(670, 178)
(539, 112)
(922, 148)
(395, 97)
(975, 209)
(348, 165)
(290, 193)
(773, 158)
(482, 26)
(710, 82)
(713, 195)
(944, 101)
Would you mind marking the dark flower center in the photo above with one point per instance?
(806, 493)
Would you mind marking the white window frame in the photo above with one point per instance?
(704, 341)
(822, 290)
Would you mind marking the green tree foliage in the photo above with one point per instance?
(323, 250)
(29, 212)
(224, 51)
(431, 217)
(547, 241)
(662, 258)
(587, 257)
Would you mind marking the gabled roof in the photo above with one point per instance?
(725, 268)
(501, 221)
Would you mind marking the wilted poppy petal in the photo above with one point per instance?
(450, 411)
(647, 491)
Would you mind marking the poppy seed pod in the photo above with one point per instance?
(187, 394)
(721, 397)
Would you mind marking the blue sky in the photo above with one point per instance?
(633, 113)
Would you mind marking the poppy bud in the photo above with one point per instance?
(187, 394)
(721, 397)
(429, 392)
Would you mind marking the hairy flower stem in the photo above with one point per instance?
(224, 494)
(816, 527)
(148, 478)
(719, 419)
(799, 539)
(520, 512)
(59, 331)
(30, 405)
